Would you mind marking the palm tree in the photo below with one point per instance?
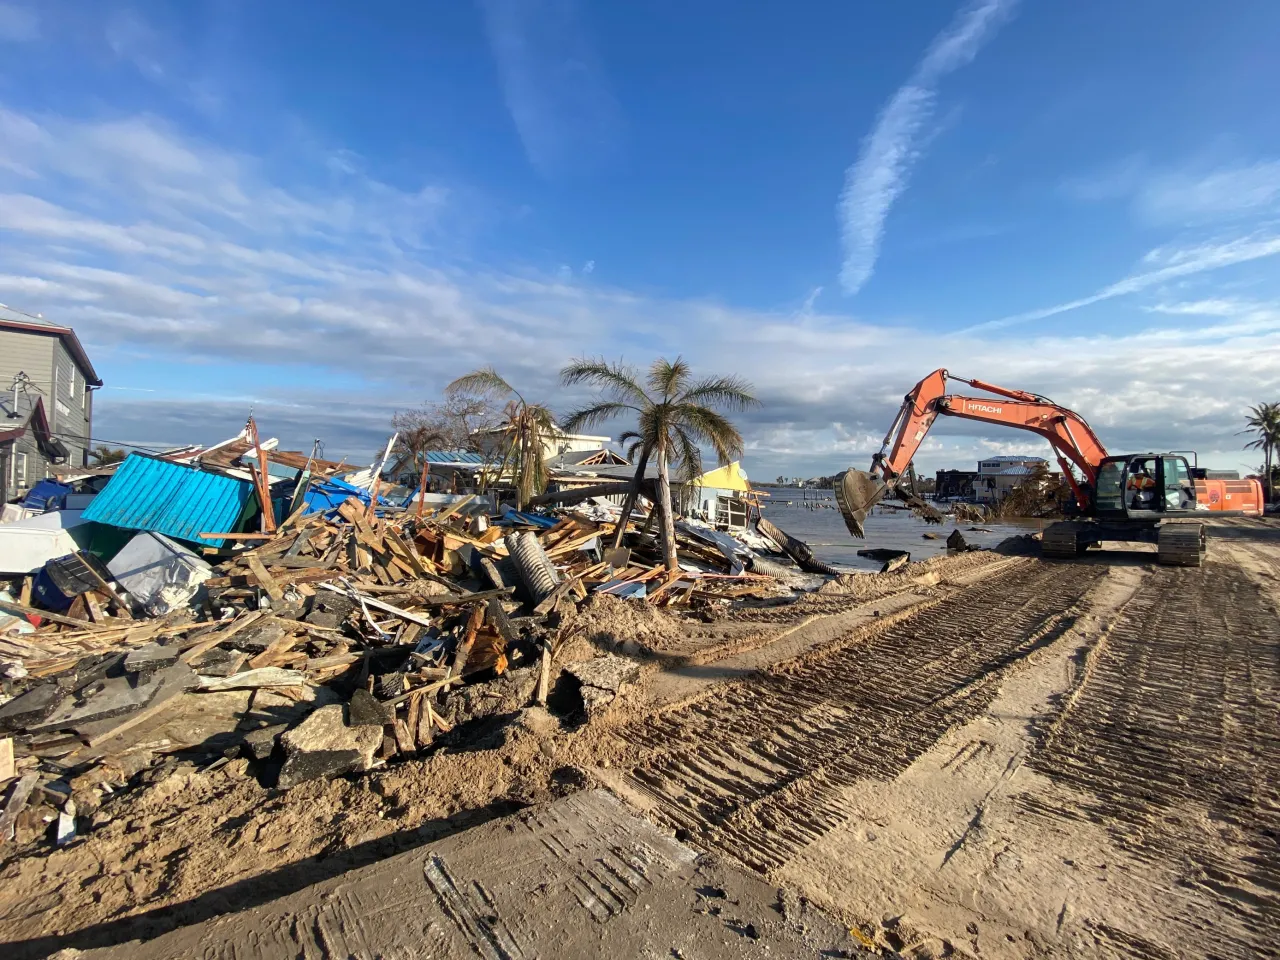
(525, 428)
(1264, 421)
(105, 455)
(411, 448)
(674, 415)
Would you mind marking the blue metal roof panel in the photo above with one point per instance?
(454, 456)
(147, 493)
(1021, 471)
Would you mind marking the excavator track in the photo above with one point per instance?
(1181, 544)
(757, 769)
(1061, 540)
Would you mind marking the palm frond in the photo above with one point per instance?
(713, 429)
(669, 378)
(732, 393)
(596, 414)
(617, 379)
(485, 382)
(688, 454)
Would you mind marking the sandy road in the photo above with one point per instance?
(1062, 759)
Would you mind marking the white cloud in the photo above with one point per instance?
(1196, 193)
(18, 24)
(879, 175)
(588, 268)
(1182, 262)
(132, 38)
(553, 82)
(1226, 193)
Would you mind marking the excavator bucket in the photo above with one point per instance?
(857, 492)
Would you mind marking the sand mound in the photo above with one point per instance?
(611, 624)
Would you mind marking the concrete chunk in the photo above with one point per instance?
(324, 746)
(601, 680)
(260, 743)
(116, 697)
(257, 638)
(366, 711)
(30, 707)
(147, 659)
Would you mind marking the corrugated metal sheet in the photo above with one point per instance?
(454, 456)
(179, 501)
(1012, 472)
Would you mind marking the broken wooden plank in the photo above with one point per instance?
(405, 741)
(265, 580)
(23, 609)
(252, 680)
(468, 640)
(276, 649)
(544, 676)
(236, 536)
(194, 650)
(419, 722)
(17, 803)
(6, 759)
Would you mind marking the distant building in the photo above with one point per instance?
(46, 408)
(491, 442)
(997, 477)
(954, 484)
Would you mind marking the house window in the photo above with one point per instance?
(19, 471)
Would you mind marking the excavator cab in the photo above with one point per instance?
(1144, 486)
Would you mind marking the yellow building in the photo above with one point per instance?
(719, 496)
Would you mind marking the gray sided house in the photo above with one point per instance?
(46, 401)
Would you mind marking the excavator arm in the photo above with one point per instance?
(1073, 440)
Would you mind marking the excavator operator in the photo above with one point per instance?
(1143, 484)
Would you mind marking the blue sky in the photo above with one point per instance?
(325, 211)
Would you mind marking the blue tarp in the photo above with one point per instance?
(47, 495)
(328, 495)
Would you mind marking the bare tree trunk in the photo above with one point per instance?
(668, 518)
(1271, 493)
(630, 503)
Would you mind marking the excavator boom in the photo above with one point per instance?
(1072, 439)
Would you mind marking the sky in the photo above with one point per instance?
(322, 212)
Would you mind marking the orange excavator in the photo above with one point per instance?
(1135, 497)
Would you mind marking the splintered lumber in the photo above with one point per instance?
(544, 676)
(252, 679)
(6, 759)
(236, 536)
(26, 611)
(454, 507)
(405, 741)
(380, 605)
(435, 719)
(276, 649)
(267, 582)
(571, 546)
(17, 803)
(468, 639)
(208, 643)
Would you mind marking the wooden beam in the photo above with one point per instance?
(265, 579)
(23, 609)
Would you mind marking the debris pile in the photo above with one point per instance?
(177, 618)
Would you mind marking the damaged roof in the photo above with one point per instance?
(14, 320)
